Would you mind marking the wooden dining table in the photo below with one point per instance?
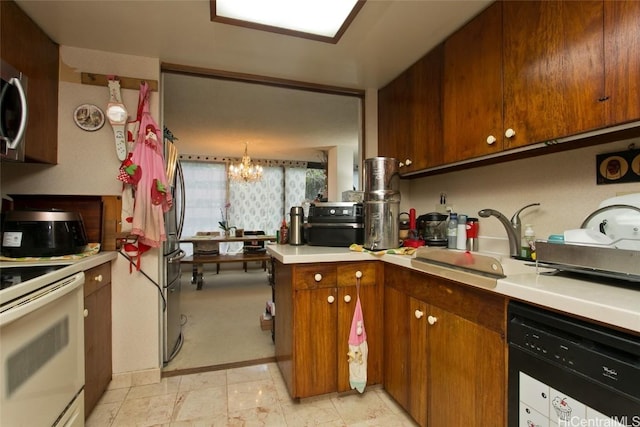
(211, 255)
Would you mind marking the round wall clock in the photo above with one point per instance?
(88, 117)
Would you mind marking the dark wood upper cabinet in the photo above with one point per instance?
(622, 61)
(553, 69)
(410, 115)
(28, 49)
(473, 88)
(528, 72)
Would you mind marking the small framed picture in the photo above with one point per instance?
(88, 117)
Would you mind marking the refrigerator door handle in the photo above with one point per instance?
(180, 182)
(177, 258)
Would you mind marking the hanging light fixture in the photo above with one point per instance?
(245, 171)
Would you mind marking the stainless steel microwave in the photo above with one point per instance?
(13, 113)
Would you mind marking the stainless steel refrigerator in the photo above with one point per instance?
(172, 254)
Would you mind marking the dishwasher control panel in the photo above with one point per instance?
(609, 357)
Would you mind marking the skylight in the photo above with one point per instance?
(324, 20)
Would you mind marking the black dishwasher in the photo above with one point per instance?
(567, 372)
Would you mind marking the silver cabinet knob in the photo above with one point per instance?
(317, 277)
(509, 133)
(408, 162)
(418, 314)
(98, 278)
(358, 274)
(347, 298)
(432, 320)
(331, 299)
(491, 139)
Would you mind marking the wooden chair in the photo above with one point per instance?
(205, 248)
(254, 247)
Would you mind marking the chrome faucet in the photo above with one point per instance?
(513, 227)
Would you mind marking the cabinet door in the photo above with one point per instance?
(97, 334)
(466, 372)
(394, 128)
(92, 390)
(622, 62)
(28, 49)
(396, 350)
(553, 69)
(315, 347)
(410, 115)
(473, 88)
(425, 147)
(103, 337)
(346, 305)
(418, 375)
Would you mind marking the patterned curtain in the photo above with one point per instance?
(258, 205)
(295, 180)
(253, 206)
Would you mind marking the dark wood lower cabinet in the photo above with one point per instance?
(97, 334)
(445, 350)
(315, 306)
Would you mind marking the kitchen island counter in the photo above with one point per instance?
(617, 306)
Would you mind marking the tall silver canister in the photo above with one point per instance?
(381, 203)
(295, 232)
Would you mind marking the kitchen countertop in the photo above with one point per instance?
(612, 305)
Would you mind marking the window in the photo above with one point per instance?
(205, 196)
(260, 205)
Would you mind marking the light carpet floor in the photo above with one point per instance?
(222, 321)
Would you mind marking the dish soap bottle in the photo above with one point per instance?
(528, 246)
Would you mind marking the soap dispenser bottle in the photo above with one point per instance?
(528, 246)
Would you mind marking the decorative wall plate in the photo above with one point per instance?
(88, 117)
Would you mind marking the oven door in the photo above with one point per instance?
(42, 356)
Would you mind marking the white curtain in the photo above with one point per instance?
(205, 194)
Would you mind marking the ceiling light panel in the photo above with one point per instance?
(320, 17)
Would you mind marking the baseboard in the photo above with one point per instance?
(135, 378)
(189, 371)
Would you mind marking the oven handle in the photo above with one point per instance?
(41, 298)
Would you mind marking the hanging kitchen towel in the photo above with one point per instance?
(358, 348)
(152, 195)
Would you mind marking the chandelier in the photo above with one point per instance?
(245, 171)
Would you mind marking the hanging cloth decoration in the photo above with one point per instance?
(358, 347)
(152, 195)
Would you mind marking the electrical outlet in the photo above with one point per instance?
(440, 208)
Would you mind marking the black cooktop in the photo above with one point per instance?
(15, 275)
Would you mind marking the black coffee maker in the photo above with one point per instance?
(433, 228)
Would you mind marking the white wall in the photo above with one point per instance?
(87, 165)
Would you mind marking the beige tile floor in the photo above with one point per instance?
(247, 396)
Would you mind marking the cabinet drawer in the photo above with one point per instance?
(96, 277)
(315, 276)
(347, 273)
